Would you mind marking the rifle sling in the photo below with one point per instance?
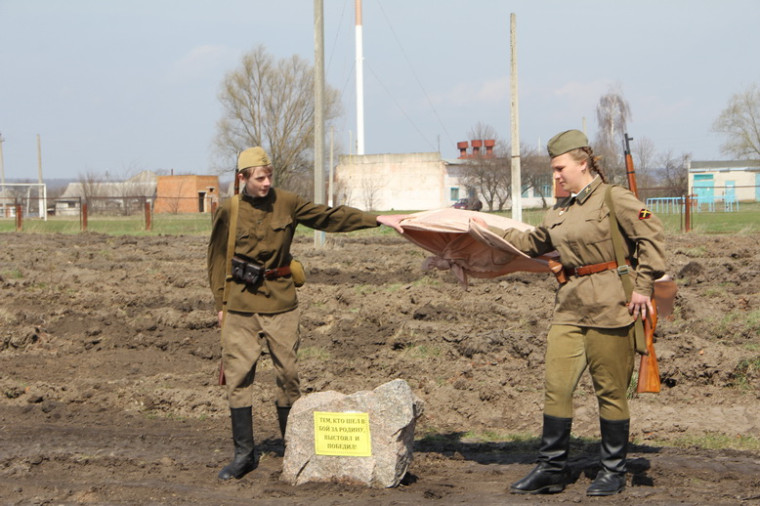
(235, 205)
(624, 271)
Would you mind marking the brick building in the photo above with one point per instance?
(186, 194)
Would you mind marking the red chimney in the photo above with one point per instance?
(462, 147)
(476, 144)
(489, 143)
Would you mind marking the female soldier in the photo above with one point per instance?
(593, 318)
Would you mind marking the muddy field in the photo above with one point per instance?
(109, 353)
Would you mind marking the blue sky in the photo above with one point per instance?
(122, 86)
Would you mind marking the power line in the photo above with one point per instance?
(401, 108)
(337, 34)
(416, 78)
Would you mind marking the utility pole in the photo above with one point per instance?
(359, 80)
(42, 191)
(330, 182)
(319, 112)
(2, 179)
(2, 166)
(516, 179)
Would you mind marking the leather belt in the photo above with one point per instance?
(585, 270)
(279, 272)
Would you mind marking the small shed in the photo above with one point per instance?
(186, 194)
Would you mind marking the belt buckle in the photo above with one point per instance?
(624, 269)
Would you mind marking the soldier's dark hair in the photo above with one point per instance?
(586, 154)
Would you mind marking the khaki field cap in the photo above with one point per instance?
(253, 157)
(566, 141)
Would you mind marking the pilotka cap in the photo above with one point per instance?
(253, 157)
(566, 141)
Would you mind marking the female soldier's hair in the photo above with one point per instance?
(248, 171)
(586, 154)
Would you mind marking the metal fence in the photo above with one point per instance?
(91, 209)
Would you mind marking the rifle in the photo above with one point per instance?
(649, 372)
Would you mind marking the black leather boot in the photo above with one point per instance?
(244, 460)
(282, 417)
(551, 474)
(611, 478)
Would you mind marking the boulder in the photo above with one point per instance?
(385, 442)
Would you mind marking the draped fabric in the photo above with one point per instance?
(467, 248)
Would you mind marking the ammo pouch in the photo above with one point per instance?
(245, 271)
(297, 273)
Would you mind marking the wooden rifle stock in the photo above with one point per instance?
(649, 372)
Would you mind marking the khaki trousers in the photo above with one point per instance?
(608, 354)
(243, 338)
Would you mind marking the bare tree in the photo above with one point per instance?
(173, 202)
(489, 177)
(740, 122)
(536, 174)
(643, 153)
(130, 190)
(270, 103)
(371, 187)
(674, 173)
(91, 186)
(612, 114)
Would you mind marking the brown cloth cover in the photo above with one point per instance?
(459, 244)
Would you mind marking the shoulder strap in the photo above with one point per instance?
(231, 236)
(624, 271)
(617, 243)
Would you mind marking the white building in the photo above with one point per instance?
(407, 182)
(725, 182)
(115, 197)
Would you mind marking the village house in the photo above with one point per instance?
(724, 183)
(186, 194)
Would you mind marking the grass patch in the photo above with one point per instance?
(697, 252)
(746, 370)
(433, 435)
(313, 353)
(6, 317)
(737, 324)
(744, 221)
(715, 292)
(711, 441)
(12, 274)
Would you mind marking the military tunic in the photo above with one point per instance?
(265, 228)
(578, 228)
(268, 311)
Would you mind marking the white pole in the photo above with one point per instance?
(2, 166)
(330, 188)
(41, 195)
(516, 180)
(319, 113)
(359, 81)
(2, 179)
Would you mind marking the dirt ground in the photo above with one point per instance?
(109, 353)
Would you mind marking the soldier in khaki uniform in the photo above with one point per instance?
(264, 309)
(593, 319)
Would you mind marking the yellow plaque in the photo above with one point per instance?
(342, 434)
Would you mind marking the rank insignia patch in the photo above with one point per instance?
(644, 214)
